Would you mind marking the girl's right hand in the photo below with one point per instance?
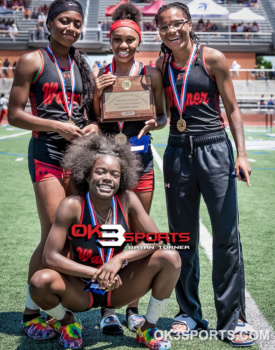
(69, 131)
(102, 82)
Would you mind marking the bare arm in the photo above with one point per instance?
(160, 67)
(101, 82)
(158, 92)
(218, 68)
(27, 67)
(68, 213)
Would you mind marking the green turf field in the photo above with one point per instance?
(20, 233)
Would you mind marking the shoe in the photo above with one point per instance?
(110, 325)
(134, 321)
(71, 337)
(54, 324)
(38, 329)
(152, 339)
(243, 328)
(188, 322)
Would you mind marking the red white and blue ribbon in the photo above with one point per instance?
(112, 68)
(69, 106)
(180, 101)
(110, 251)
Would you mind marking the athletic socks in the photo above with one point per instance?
(155, 309)
(57, 312)
(30, 304)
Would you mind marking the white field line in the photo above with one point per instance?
(254, 315)
(14, 135)
(258, 145)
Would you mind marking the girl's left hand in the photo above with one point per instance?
(243, 164)
(150, 125)
(91, 128)
(107, 272)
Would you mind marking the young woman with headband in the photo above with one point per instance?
(199, 160)
(104, 173)
(55, 79)
(125, 39)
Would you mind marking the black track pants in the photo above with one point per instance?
(195, 165)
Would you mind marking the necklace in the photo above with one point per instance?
(103, 221)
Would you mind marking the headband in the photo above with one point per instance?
(126, 23)
(58, 7)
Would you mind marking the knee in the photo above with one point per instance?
(169, 258)
(41, 281)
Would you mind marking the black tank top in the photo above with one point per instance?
(130, 129)
(47, 99)
(202, 113)
(85, 251)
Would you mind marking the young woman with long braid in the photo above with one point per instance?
(58, 82)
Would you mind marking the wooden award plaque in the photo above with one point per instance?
(129, 99)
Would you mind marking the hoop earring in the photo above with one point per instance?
(138, 49)
(110, 48)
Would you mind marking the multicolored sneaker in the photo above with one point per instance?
(54, 324)
(150, 341)
(38, 329)
(71, 337)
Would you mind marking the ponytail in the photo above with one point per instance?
(87, 80)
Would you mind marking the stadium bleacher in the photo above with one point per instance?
(95, 12)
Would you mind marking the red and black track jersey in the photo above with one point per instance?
(85, 251)
(202, 111)
(46, 96)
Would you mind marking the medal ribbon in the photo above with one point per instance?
(110, 251)
(69, 107)
(112, 68)
(180, 101)
(133, 72)
(120, 125)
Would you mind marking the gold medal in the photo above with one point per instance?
(181, 125)
(121, 138)
(70, 121)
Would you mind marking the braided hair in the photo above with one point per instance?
(87, 80)
(194, 39)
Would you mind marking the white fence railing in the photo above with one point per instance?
(229, 38)
(152, 38)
